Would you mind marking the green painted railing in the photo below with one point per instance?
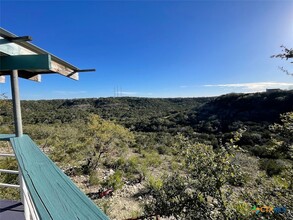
(53, 194)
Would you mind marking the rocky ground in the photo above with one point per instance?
(124, 203)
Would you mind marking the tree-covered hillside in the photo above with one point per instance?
(126, 110)
(192, 158)
(219, 114)
(245, 108)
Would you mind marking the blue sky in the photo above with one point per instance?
(155, 48)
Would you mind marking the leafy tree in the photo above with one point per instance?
(5, 114)
(197, 191)
(283, 139)
(104, 137)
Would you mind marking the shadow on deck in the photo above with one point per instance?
(11, 210)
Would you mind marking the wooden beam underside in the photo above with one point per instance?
(22, 74)
(2, 79)
(13, 49)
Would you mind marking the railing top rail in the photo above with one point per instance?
(54, 195)
(6, 137)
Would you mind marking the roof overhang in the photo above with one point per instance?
(12, 46)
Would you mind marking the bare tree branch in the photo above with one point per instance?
(285, 71)
(287, 54)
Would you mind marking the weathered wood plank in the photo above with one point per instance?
(2, 79)
(30, 76)
(24, 74)
(13, 49)
(58, 68)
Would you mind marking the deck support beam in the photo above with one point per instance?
(16, 103)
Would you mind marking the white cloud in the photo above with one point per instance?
(254, 87)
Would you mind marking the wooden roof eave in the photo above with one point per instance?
(34, 76)
(25, 48)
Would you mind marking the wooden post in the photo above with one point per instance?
(16, 103)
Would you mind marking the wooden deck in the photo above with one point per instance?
(11, 210)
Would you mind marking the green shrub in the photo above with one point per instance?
(94, 179)
(162, 149)
(152, 158)
(271, 166)
(114, 181)
(154, 183)
(129, 165)
(104, 205)
(9, 193)
(239, 178)
(8, 164)
(265, 151)
(242, 208)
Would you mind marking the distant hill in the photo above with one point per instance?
(256, 108)
(210, 115)
(206, 120)
(125, 110)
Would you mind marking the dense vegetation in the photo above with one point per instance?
(198, 158)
